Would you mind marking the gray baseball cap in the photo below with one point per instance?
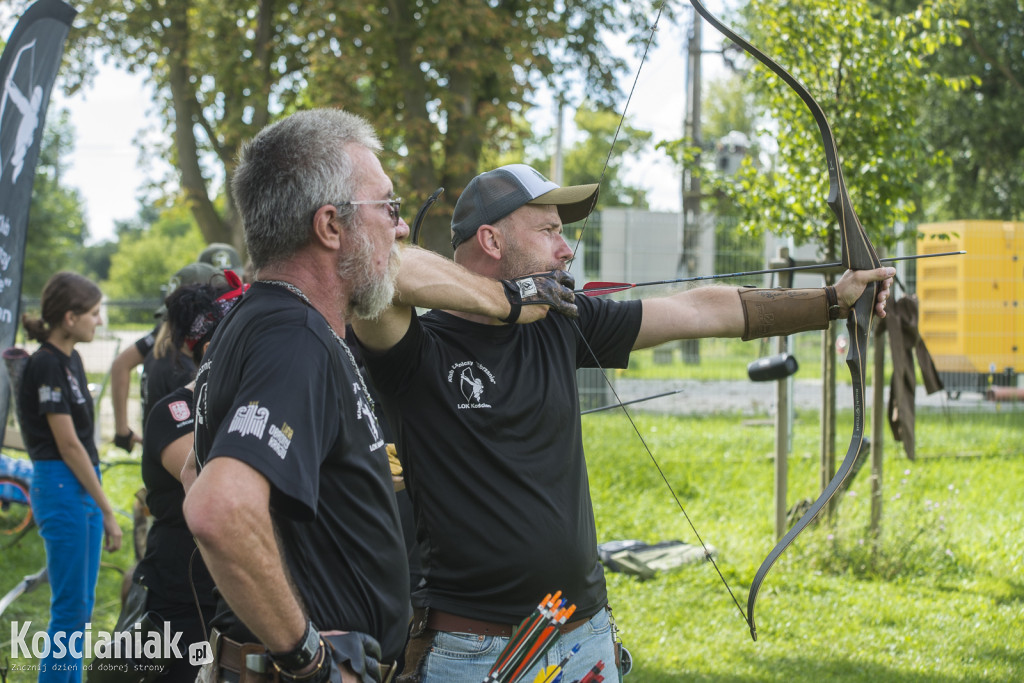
(193, 274)
(221, 255)
(495, 194)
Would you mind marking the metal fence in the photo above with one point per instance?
(684, 364)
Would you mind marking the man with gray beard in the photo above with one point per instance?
(293, 508)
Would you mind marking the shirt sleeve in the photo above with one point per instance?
(391, 369)
(609, 329)
(145, 344)
(51, 382)
(283, 420)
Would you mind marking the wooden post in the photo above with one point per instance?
(783, 406)
(878, 419)
(783, 413)
(784, 399)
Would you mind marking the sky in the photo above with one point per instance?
(108, 116)
(104, 165)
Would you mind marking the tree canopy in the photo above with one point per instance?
(977, 126)
(864, 65)
(441, 81)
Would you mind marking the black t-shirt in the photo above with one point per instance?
(145, 344)
(55, 383)
(488, 421)
(277, 391)
(169, 545)
(161, 376)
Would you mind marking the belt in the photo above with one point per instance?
(453, 623)
(230, 658)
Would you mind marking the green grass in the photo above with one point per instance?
(28, 556)
(939, 596)
(722, 359)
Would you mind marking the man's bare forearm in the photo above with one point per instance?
(428, 280)
(228, 512)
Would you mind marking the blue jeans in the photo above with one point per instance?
(466, 658)
(71, 525)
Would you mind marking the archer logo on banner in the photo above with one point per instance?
(26, 121)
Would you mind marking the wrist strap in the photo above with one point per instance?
(836, 311)
(303, 654)
(124, 442)
(515, 300)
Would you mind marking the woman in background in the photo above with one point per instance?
(57, 424)
(179, 587)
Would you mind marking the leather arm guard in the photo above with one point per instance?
(781, 312)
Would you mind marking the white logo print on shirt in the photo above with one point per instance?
(363, 411)
(48, 394)
(471, 379)
(250, 419)
(76, 391)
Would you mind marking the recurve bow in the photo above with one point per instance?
(857, 254)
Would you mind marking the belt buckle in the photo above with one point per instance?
(215, 637)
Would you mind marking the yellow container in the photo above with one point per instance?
(972, 306)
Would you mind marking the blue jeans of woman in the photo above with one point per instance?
(71, 525)
(466, 658)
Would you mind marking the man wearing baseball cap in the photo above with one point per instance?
(223, 256)
(491, 432)
(491, 196)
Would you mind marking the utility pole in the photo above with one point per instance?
(689, 261)
(556, 158)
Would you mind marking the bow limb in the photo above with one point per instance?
(857, 254)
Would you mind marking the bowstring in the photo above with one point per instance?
(604, 375)
(661, 472)
(622, 120)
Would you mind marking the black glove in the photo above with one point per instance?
(124, 442)
(359, 651)
(554, 289)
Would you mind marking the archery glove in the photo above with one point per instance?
(554, 289)
(124, 441)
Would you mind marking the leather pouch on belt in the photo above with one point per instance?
(420, 640)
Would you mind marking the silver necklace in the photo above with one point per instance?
(352, 359)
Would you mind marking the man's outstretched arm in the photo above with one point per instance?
(726, 311)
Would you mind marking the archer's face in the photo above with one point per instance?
(534, 242)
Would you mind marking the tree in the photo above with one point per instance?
(593, 157)
(440, 80)
(149, 255)
(728, 106)
(864, 66)
(977, 127)
(56, 230)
